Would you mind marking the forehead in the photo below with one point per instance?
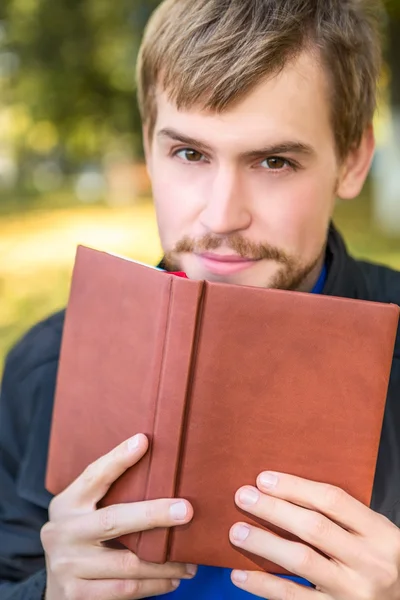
(294, 104)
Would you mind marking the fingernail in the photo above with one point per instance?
(239, 576)
(248, 496)
(133, 443)
(269, 480)
(178, 511)
(191, 570)
(240, 533)
(175, 583)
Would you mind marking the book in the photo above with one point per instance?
(227, 382)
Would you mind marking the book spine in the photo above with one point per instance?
(169, 418)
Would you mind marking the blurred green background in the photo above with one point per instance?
(71, 163)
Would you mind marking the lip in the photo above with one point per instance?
(219, 264)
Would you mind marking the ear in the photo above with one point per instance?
(356, 166)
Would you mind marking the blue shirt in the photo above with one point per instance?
(213, 583)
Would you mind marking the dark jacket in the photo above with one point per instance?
(26, 408)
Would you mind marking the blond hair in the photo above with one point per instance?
(211, 53)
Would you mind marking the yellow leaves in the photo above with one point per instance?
(42, 137)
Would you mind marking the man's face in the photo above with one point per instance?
(246, 196)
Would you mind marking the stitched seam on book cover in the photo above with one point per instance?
(166, 328)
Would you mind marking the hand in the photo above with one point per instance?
(79, 565)
(361, 547)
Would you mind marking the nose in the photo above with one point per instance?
(225, 211)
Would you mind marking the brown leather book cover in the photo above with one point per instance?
(227, 382)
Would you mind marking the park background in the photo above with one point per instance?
(71, 163)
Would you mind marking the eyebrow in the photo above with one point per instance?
(292, 147)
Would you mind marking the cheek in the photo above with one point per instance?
(177, 204)
(297, 212)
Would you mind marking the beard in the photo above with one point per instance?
(291, 275)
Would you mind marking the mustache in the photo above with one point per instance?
(236, 242)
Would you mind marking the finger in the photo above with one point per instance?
(294, 557)
(93, 484)
(308, 525)
(121, 519)
(324, 498)
(123, 564)
(272, 587)
(127, 589)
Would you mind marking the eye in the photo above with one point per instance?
(275, 163)
(189, 155)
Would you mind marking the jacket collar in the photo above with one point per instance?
(344, 278)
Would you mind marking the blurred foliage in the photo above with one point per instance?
(392, 8)
(67, 76)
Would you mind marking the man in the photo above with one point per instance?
(256, 116)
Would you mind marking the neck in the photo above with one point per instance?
(310, 281)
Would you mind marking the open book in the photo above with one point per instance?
(227, 381)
